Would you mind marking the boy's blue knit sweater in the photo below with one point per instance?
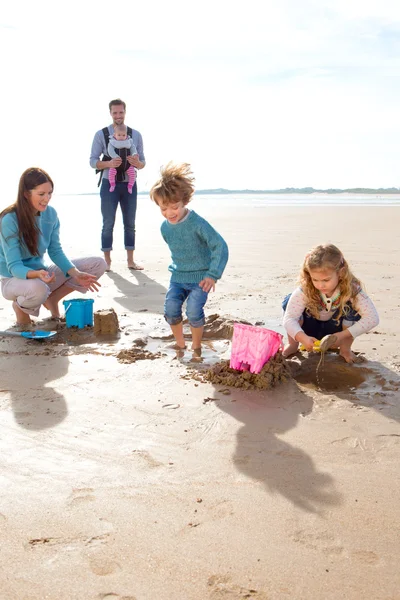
(197, 250)
(15, 258)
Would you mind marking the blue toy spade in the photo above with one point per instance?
(34, 335)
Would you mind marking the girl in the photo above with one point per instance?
(28, 229)
(199, 254)
(330, 300)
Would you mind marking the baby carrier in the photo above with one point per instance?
(122, 152)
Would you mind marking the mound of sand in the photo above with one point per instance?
(275, 371)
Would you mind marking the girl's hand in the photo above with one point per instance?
(86, 280)
(308, 343)
(44, 276)
(207, 284)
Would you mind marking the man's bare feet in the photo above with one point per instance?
(290, 349)
(135, 266)
(22, 317)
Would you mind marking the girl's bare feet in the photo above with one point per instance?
(350, 357)
(22, 317)
(290, 349)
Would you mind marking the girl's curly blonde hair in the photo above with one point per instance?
(328, 256)
(176, 184)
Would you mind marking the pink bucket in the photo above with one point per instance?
(252, 347)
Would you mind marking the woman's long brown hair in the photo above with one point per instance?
(28, 230)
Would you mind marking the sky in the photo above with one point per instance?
(261, 94)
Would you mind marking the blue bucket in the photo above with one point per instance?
(79, 312)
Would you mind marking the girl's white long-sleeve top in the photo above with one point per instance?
(363, 305)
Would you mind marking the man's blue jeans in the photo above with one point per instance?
(109, 205)
(176, 296)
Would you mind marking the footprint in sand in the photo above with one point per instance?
(222, 588)
(365, 556)
(112, 596)
(81, 496)
(102, 565)
(323, 541)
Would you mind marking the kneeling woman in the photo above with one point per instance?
(329, 301)
(28, 229)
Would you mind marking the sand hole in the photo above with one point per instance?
(333, 376)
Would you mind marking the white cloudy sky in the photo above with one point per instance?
(255, 94)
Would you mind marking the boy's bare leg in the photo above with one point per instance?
(290, 348)
(177, 330)
(52, 301)
(197, 335)
(107, 258)
(22, 317)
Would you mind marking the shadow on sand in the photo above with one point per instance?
(139, 292)
(26, 373)
(264, 456)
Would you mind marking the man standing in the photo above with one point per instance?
(100, 161)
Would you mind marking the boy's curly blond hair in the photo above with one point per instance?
(176, 184)
(328, 256)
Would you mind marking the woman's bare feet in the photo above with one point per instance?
(22, 317)
(52, 307)
(290, 349)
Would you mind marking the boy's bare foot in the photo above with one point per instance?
(176, 346)
(108, 267)
(22, 317)
(290, 349)
(350, 357)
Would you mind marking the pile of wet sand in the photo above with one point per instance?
(275, 371)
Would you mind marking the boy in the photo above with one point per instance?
(199, 254)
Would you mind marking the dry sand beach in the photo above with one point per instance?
(136, 481)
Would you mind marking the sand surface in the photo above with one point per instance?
(132, 479)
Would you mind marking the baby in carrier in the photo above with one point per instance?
(121, 146)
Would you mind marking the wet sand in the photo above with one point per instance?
(125, 476)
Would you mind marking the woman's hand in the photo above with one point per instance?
(207, 284)
(86, 280)
(41, 274)
(115, 162)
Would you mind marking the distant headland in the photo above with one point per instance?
(305, 190)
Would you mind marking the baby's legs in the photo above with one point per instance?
(112, 173)
(131, 178)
